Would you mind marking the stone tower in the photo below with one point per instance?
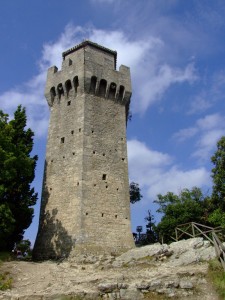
(85, 204)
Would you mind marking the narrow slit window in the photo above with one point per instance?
(60, 90)
(93, 84)
(102, 215)
(75, 83)
(121, 92)
(53, 94)
(112, 90)
(102, 87)
(62, 140)
(104, 177)
(68, 86)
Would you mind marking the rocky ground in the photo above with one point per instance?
(151, 272)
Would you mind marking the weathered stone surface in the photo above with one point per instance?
(107, 287)
(186, 284)
(85, 204)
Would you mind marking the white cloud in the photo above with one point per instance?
(186, 133)
(208, 131)
(210, 122)
(156, 173)
(151, 76)
(212, 92)
(155, 85)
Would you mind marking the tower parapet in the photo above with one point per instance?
(85, 197)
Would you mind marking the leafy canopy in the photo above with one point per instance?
(17, 168)
(188, 206)
(135, 192)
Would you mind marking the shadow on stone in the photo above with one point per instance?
(53, 240)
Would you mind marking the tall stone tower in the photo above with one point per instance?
(85, 204)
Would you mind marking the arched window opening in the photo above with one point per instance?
(121, 92)
(102, 87)
(52, 93)
(75, 83)
(60, 90)
(68, 87)
(93, 84)
(112, 90)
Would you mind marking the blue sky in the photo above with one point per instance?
(175, 49)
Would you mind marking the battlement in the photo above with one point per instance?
(88, 68)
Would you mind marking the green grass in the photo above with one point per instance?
(5, 256)
(5, 279)
(217, 275)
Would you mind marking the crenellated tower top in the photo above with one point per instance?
(89, 68)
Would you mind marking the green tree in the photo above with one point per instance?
(218, 175)
(188, 206)
(217, 207)
(135, 192)
(16, 175)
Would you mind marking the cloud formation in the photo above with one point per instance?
(211, 93)
(157, 172)
(151, 76)
(207, 131)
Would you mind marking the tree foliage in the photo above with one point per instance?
(16, 175)
(217, 209)
(188, 206)
(135, 192)
(218, 175)
(150, 229)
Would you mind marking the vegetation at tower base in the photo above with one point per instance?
(188, 206)
(16, 175)
(135, 192)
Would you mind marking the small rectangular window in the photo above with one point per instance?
(104, 177)
(62, 140)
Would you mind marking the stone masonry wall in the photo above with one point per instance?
(85, 200)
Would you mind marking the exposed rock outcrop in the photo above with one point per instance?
(175, 270)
